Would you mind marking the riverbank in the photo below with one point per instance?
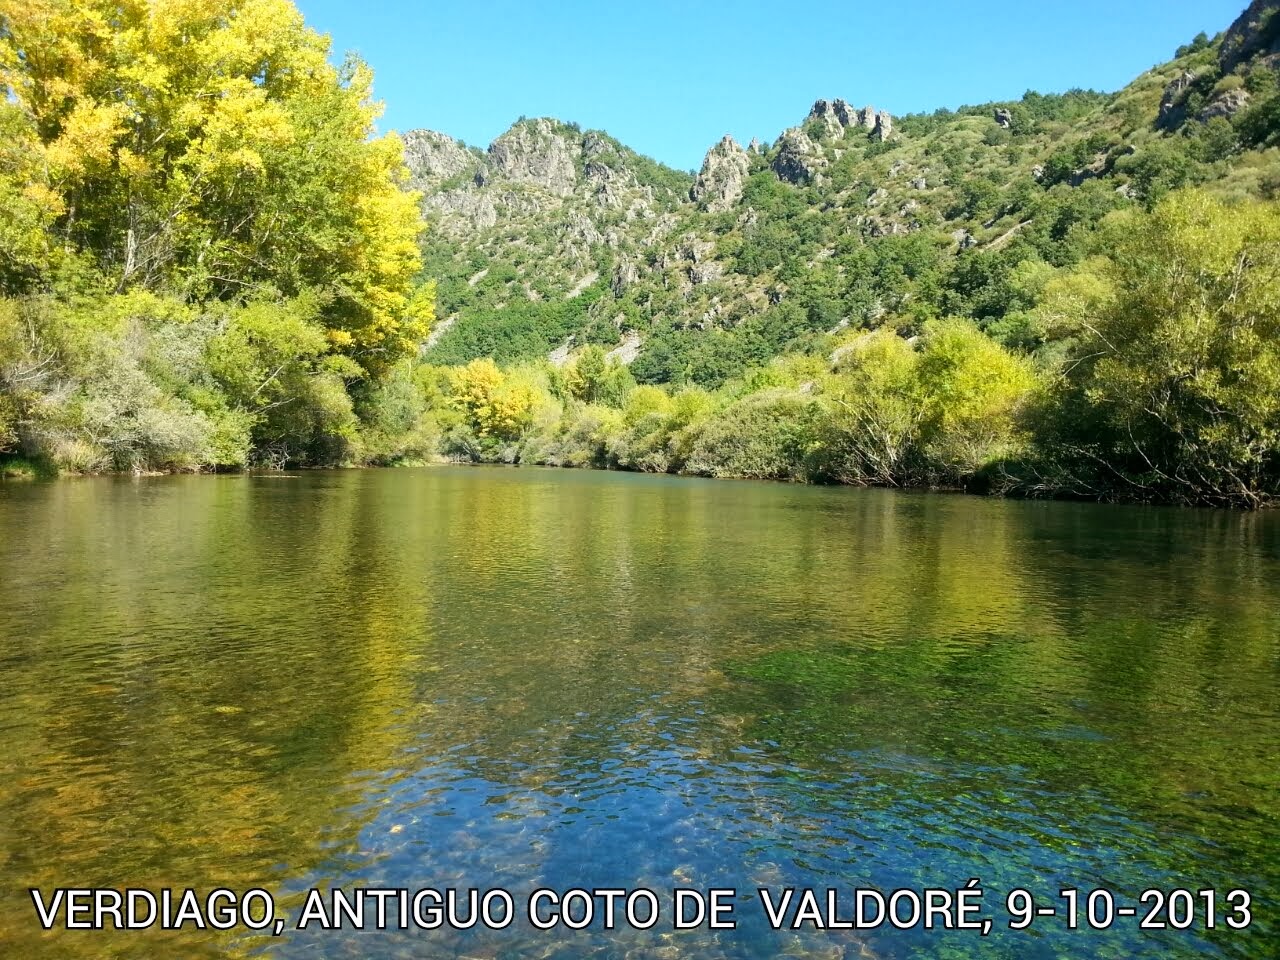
(24, 471)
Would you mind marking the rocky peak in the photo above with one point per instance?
(824, 111)
(883, 125)
(798, 158)
(537, 152)
(433, 158)
(719, 184)
(838, 116)
(1256, 32)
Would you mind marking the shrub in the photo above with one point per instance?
(765, 436)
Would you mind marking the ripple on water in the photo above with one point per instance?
(522, 678)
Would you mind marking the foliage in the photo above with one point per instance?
(766, 435)
(1174, 390)
(207, 251)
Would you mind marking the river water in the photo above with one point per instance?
(521, 678)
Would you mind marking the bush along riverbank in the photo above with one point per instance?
(210, 259)
(1157, 380)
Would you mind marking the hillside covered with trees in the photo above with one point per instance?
(210, 260)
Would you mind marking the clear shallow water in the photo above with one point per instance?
(519, 678)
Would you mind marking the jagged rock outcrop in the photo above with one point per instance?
(724, 171)
(883, 127)
(837, 116)
(1255, 33)
(1096, 167)
(468, 209)
(1226, 104)
(625, 273)
(755, 146)
(535, 152)
(1172, 112)
(1004, 117)
(798, 159)
(706, 272)
(694, 249)
(824, 111)
(434, 157)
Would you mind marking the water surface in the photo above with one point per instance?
(493, 677)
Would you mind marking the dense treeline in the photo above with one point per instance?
(208, 259)
(206, 256)
(1156, 378)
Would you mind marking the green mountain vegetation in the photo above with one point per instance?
(1069, 294)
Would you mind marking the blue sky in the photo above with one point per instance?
(669, 78)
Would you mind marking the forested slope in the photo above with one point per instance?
(209, 258)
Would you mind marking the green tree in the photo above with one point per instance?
(1174, 390)
(209, 148)
(972, 391)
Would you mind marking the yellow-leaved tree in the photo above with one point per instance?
(209, 149)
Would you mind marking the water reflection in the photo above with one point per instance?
(487, 678)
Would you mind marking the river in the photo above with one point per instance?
(519, 678)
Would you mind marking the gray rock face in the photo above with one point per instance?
(469, 209)
(627, 351)
(433, 158)
(625, 273)
(920, 183)
(824, 111)
(1255, 32)
(1172, 112)
(838, 116)
(755, 146)
(724, 171)
(535, 152)
(798, 159)
(883, 127)
(1227, 104)
(1003, 117)
(707, 272)
(1095, 168)
(694, 249)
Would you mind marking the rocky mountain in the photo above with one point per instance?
(555, 237)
